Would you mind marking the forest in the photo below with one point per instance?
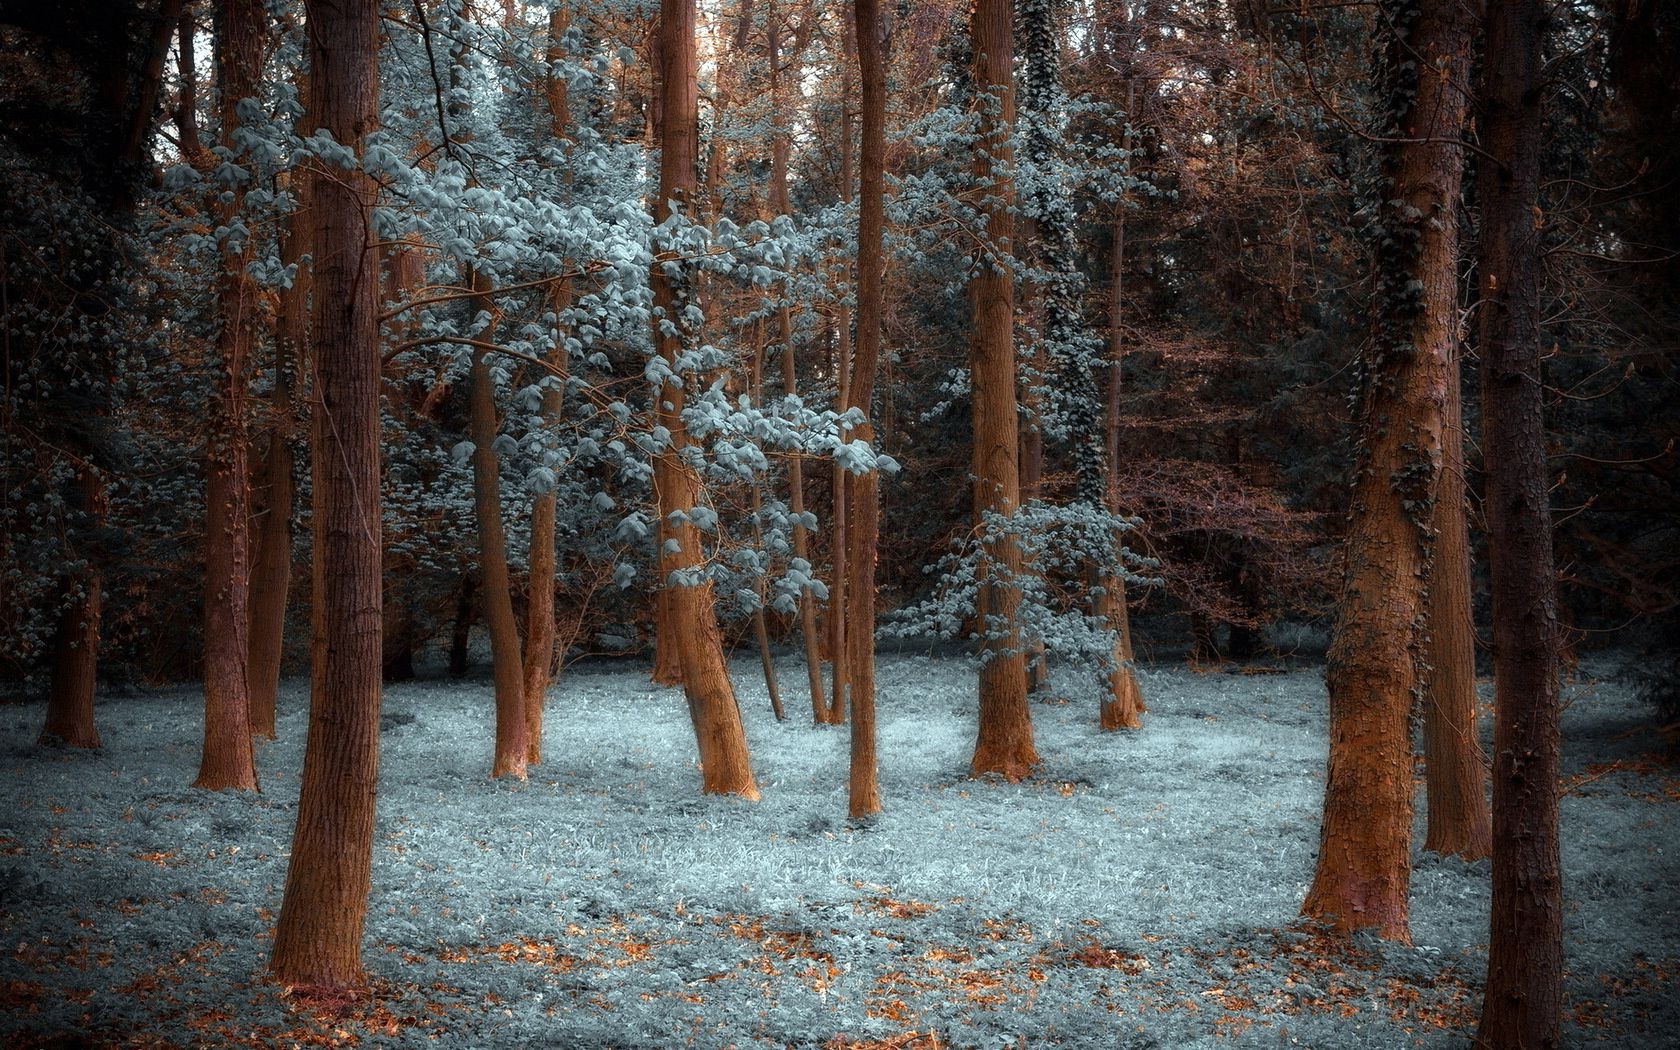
(840, 523)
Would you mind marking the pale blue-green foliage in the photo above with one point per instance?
(1059, 545)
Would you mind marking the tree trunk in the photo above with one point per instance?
(271, 563)
(761, 626)
(1032, 488)
(863, 490)
(1123, 707)
(690, 605)
(460, 635)
(512, 744)
(1005, 740)
(1364, 863)
(318, 940)
(540, 655)
(75, 666)
(1455, 769)
(1525, 950)
(227, 761)
(780, 148)
(839, 602)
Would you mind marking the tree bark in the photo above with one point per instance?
(690, 605)
(840, 673)
(1123, 707)
(318, 940)
(1523, 998)
(540, 633)
(512, 743)
(1378, 649)
(1005, 740)
(1455, 769)
(863, 490)
(227, 760)
(271, 563)
(75, 665)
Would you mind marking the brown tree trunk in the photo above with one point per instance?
(512, 744)
(1032, 488)
(780, 148)
(1005, 740)
(540, 655)
(75, 666)
(1523, 998)
(839, 602)
(318, 940)
(1455, 769)
(460, 634)
(227, 761)
(863, 490)
(1123, 707)
(271, 563)
(690, 605)
(761, 625)
(1364, 863)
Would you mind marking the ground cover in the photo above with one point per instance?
(1141, 891)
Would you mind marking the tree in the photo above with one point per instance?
(1378, 648)
(1005, 741)
(863, 498)
(689, 616)
(318, 940)
(1524, 992)
(227, 760)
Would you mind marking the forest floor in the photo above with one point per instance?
(1141, 891)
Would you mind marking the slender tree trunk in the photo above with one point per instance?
(1525, 951)
(690, 603)
(761, 626)
(1005, 740)
(512, 744)
(540, 654)
(318, 940)
(1364, 863)
(460, 635)
(1455, 768)
(1032, 488)
(1123, 707)
(780, 149)
(75, 665)
(863, 490)
(271, 563)
(227, 760)
(840, 671)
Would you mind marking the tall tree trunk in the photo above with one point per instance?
(1005, 740)
(75, 663)
(318, 940)
(761, 625)
(840, 672)
(1525, 950)
(1123, 707)
(540, 655)
(1455, 769)
(271, 563)
(512, 744)
(690, 603)
(863, 490)
(227, 761)
(780, 149)
(1364, 863)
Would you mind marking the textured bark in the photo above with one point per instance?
(834, 712)
(1377, 651)
(863, 490)
(780, 149)
(1455, 769)
(512, 743)
(540, 633)
(761, 625)
(1005, 740)
(1525, 949)
(318, 940)
(1123, 707)
(276, 489)
(227, 760)
(75, 662)
(690, 607)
